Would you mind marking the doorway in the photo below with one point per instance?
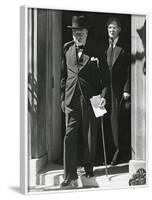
(98, 34)
(47, 33)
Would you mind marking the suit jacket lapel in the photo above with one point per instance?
(72, 61)
(116, 54)
(83, 60)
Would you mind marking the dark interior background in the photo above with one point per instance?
(97, 33)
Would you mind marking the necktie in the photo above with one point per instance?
(111, 53)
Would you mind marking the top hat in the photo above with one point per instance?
(79, 22)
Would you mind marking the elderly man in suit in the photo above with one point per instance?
(118, 59)
(82, 77)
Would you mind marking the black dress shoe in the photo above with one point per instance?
(89, 174)
(69, 182)
(113, 163)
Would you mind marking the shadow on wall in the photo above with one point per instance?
(32, 113)
(139, 56)
(32, 96)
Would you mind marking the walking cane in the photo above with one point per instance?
(104, 148)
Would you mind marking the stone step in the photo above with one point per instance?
(52, 176)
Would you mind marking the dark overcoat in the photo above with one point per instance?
(117, 124)
(81, 77)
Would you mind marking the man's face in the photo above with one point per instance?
(80, 36)
(113, 30)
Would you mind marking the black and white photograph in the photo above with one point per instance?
(83, 100)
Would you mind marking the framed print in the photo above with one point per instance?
(83, 100)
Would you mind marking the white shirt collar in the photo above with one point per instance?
(115, 41)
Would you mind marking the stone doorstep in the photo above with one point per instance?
(111, 182)
(34, 166)
(52, 179)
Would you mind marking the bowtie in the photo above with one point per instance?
(80, 47)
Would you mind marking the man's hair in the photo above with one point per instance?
(116, 19)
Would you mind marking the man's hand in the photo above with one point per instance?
(98, 101)
(95, 59)
(102, 102)
(63, 106)
(126, 95)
